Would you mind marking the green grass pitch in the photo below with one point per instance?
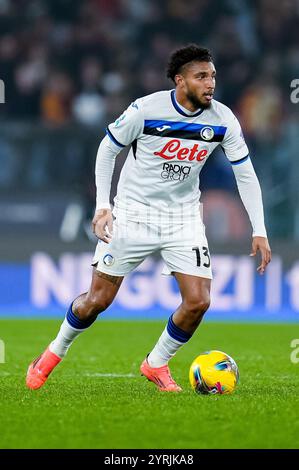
(81, 406)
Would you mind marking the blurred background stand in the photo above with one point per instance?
(71, 67)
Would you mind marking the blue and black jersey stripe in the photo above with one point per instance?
(183, 130)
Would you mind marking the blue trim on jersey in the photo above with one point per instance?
(238, 162)
(109, 133)
(184, 126)
(179, 110)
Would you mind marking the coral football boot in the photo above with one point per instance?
(160, 376)
(40, 369)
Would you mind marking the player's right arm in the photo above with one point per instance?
(119, 134)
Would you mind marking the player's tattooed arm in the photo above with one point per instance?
(115, 280)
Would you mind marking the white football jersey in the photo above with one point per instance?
(169, 147)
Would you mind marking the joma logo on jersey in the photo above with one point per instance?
(173, 149)
(175, 172)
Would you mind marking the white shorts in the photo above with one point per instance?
(183, 247)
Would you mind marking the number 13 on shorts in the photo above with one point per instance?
(202, 256)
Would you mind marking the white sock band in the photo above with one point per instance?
(67, 334)
(164, 350)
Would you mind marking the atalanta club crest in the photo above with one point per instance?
(108, 260)
(207, 133)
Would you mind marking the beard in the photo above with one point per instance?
(196, 102)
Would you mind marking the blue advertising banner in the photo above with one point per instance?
(45, 288)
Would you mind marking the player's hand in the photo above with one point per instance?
(102, 224)
(262, 244)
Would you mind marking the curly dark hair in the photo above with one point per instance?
(186, 54)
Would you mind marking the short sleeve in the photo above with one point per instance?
(128, 127)
(234, 144)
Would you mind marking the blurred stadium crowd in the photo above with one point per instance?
(71, 66)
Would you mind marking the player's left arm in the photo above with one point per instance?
(249, 189)
(261, 244)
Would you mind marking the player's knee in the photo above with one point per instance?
(195, 310)
(196, 307)
(99, 302)
(94, 305)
